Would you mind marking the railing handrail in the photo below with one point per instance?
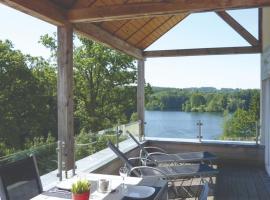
(30, 150)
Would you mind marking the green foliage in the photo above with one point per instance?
(103, 95)
(134, 117)
(197, 100)
(80, 187)
(85, 145)
(5, 150)
(242, 124)
(27, 106)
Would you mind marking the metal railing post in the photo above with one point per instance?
(257, 132)
(59, 150)
(117, 137)
(199, 124)
(118, 134)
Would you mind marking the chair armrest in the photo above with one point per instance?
(147, 167)
(156, 148)
(143, 160)
(135, 158)
(155, 153)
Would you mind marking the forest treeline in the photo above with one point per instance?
(206, 99)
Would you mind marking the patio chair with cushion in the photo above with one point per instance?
(161, 157)
(173, 174)
(20, 180)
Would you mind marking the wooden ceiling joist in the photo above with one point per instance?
(96, 33)
(238, 28)
(44, 10)
(150, 9)
(202, 52)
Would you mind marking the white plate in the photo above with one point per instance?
(66, 184)
(139, 191)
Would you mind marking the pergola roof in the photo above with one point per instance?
(127, 25)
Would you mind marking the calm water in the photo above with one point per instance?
(176, 124)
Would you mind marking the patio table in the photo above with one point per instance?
(160, 186)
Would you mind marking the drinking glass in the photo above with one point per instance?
(123, 171)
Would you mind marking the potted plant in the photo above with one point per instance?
(81, 190)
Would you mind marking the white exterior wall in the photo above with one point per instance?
(265, 86)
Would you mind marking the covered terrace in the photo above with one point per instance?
(131, 26)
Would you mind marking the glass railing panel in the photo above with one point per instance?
(247, 131)
(171, 128)
(87, 144)
(211, 126)
(132, 127)
(46, 156)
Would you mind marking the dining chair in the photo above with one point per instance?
(20, 180)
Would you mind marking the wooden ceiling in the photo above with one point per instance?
(127, 25)
(140, 33)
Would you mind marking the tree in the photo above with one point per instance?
(24, 109)
(197, 100)
(104, 92)
(240, 125)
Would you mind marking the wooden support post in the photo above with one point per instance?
(140, 96)
(265, 86)
(65, 94)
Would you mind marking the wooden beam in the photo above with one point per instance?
(65, 93)
(94, 32)
(140, 96)
(137, 10)
(44, 10)
(202, 52)
(238, 27)
(260, 26)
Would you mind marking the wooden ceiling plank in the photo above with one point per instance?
(238, 27)
(157, 34)
(112, 27)
(127, 28)
(44, 10)
(147, 35)
(136, 10)
(202, 52)
(138, 29)
(96, 33)
(135, 39)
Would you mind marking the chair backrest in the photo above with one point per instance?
(20, 180)
(204, 192)
(120, 155)
(138, 143)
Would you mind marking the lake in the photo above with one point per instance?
(175, 124)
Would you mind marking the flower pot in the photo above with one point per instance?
(83, 196)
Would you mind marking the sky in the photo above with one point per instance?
(196, 31)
